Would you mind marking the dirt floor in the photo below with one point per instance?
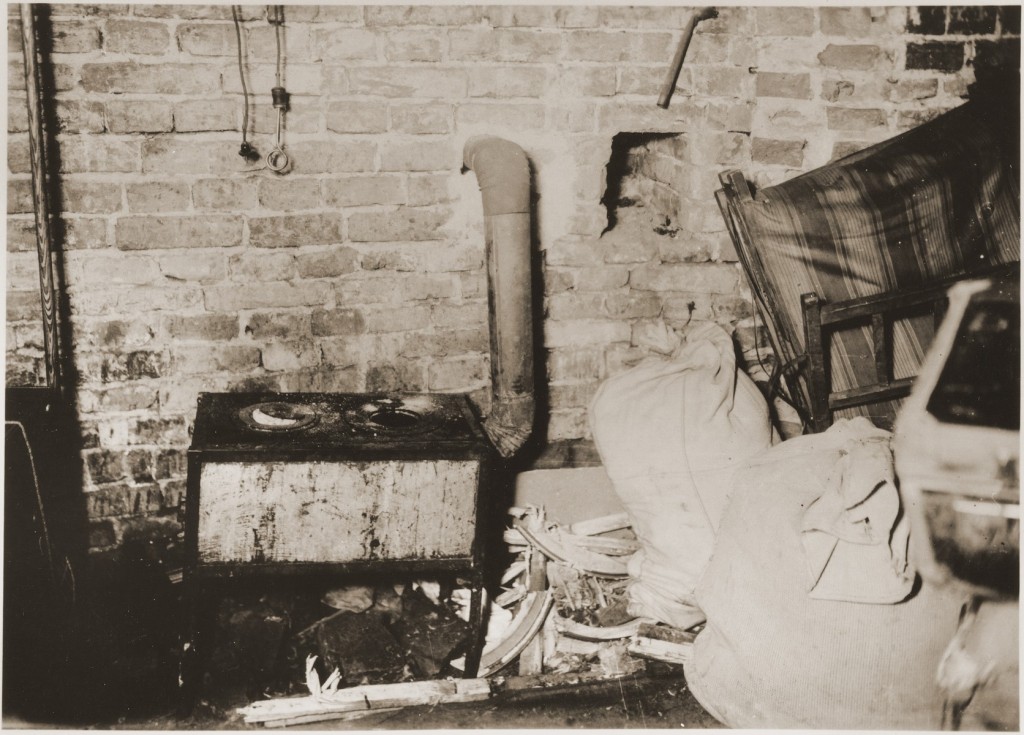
(119, 671)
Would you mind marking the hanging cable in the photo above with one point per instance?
(246, 150)
(277, 159)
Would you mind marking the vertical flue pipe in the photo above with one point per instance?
(503, 173)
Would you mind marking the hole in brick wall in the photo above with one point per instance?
(643, 171)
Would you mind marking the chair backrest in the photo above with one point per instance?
(938, 202)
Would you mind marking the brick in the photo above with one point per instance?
(394, 378)
(101, 534)
(79, 116)
(601, 278)
(302, 117)
(194, 267)
(192, 359)
(157, 196)
(631, 306)
(906, 90)
(198, 231)
(182, 154)
(426, 155)
(403, 224)
(700, 277)
(913, 118)
(330, 13)
(332, 322)
(264, 325)
(572, 396)
(413, 46)
(421, 119)
(170, 463)
(122, 36)
(140, 465)
(975, 20)
(203, 327)
(262, 266)
(396, 319)
(162, 78)
(639, 80)
(460, 373)
(357, 117)
(392, 81)
(445, 342)
(844, 148)
(1003, 54)
(78, 10)
(845, 118)
(447, 315)
(94, 154)
(564, 425)
(295, 230)
(19, 198)
(852, 56)
(653, 47)
(657, 17)
(262, 40)
(268, 295)
(505, 116)
(1009, 19)
(138, 116)
(302, 79)
(193, 116)
(586, 82)
(427, 190)
(785, 21)
(345, 44)
(333, 158)
(84, 233)
(198, 12)
(584, 332)
(849, 23)
(225, 194)
(606, 46)
(17, 115)
(777, 84)
(778, 152)
(544, 16)
(504, 45)
(573, 305)
(105, 466)
(419, 15)
(415, 257)
(22, 305)
(278, 356)
(120, 270)
(358, 191)
(927, 20)
(74, 37)
(207, 39)
(289, 194)
(88, 197)
(510, 81)
(945, 56)
(327, 264)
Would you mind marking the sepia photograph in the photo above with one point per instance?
(449, 366)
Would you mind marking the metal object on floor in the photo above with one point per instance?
(324, 484)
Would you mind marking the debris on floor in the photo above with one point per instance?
(561, 611)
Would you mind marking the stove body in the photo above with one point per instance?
(333, 480)
(326, 484)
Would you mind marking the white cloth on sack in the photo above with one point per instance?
(854, 538)
(671, 431)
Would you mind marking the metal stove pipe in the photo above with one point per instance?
(503, 173)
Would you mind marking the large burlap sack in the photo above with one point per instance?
(671, 432)
(771, 655)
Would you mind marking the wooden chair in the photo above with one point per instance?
(850, 263)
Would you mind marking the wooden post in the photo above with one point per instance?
(821, 416)
(44, 238)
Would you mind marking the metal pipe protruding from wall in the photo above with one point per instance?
(503, 173)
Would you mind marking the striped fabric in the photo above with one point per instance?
(940, 200)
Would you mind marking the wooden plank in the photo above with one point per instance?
(870, 394)
(666, 633)
(673, 653)
(604, 524)
(369, 697)
(882, 347)
(336, 511)
(817, 379)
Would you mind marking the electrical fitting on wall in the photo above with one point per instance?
(277, 160)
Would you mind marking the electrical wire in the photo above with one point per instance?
(246, 150)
